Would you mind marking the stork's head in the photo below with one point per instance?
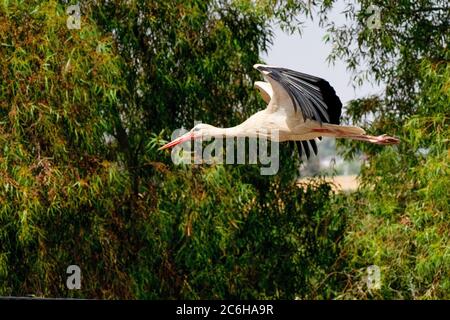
(200, 131)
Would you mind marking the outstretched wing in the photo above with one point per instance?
(313, 96)
(265, 89)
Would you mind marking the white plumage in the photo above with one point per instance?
(301, 108)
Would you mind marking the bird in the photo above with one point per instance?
(301, 107)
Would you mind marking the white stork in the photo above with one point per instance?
(300, 107)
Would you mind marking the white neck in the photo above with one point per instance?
(240, 130)
(236, 131)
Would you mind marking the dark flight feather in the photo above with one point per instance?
(314, 146)
(299, 149)
(313, 96)
(306, 148)
(303, 147)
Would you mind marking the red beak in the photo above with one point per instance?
(185, 137)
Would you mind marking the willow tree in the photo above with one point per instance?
(219, 231)
(187, 61)
(61, 191)
(400, 219)
(82, 111)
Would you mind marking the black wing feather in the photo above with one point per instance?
(314, 96)
(302, 146)
(306, 148)
(314, 146)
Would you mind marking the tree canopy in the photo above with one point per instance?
(401, 218)
(83, 112)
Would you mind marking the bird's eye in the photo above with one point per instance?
(196, 129)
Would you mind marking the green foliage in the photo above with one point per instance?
(405, 231)
(59, 190)
(83, 111)
(217, 237)
(401, 213)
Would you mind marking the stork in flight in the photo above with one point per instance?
(300, 107)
